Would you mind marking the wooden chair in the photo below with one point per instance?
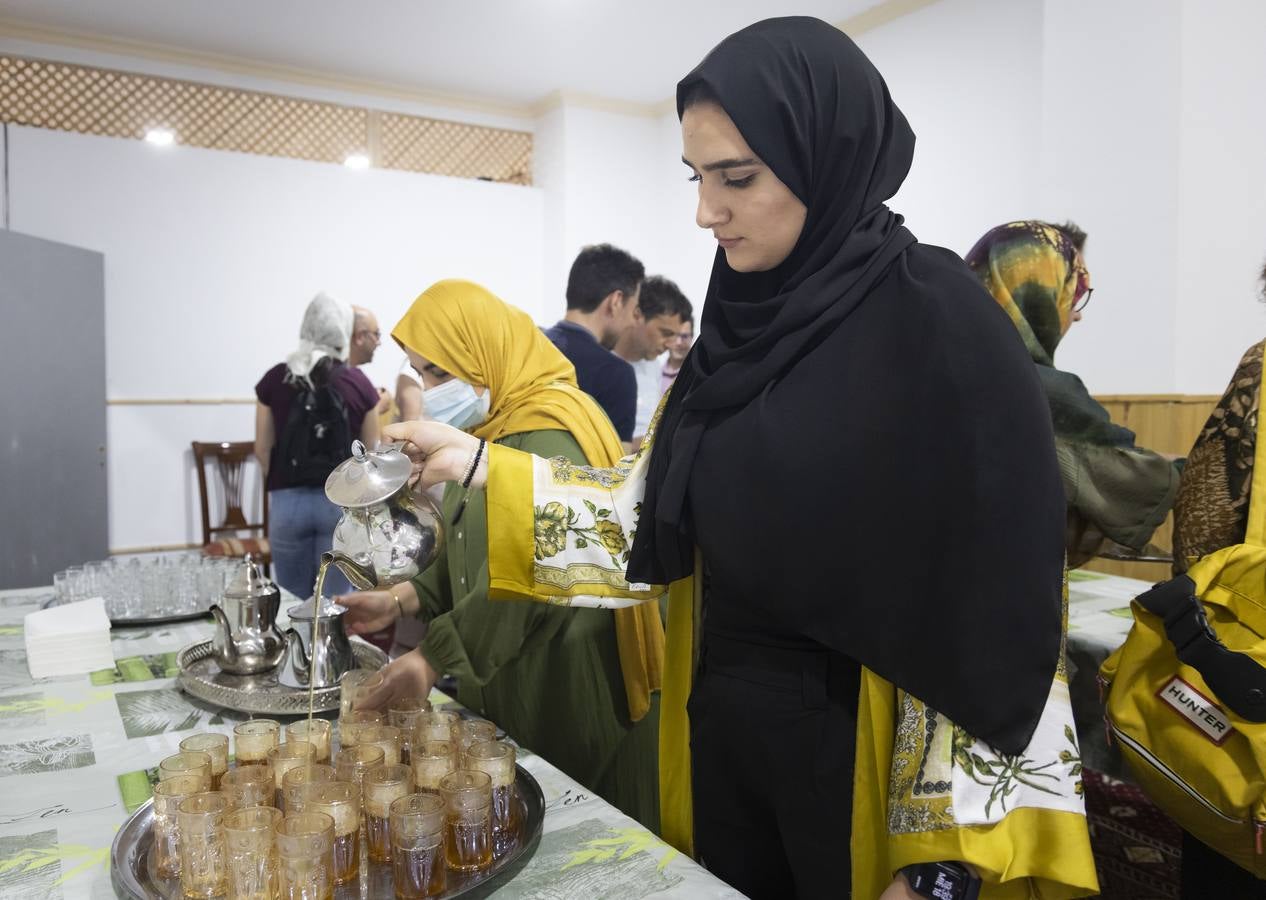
(230, 461)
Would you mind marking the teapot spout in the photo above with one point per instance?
(295, 664)
(222, 640)
(362, 576)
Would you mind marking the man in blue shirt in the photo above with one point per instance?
(602, 294)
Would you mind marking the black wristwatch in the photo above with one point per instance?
(943, 881)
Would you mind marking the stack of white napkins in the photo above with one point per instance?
(68, 640)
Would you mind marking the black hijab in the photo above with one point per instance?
(961, 608)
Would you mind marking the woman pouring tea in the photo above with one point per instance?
(574, 685)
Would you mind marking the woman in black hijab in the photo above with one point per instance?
(857, 450)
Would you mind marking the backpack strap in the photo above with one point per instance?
(1236, 679)
(1255, 534)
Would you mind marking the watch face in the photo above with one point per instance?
(939, 881)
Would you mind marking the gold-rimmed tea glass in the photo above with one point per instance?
(316, 732)
(381, 787)
(285, 757)
(167, 796)
(213, 745)
(203, 867)
(246, 786)
(340, 801)
(249, 837)
(436, 725)
(351, 725)
(417, 846)
(496, 758)
(472, 731)
(467, 820)
(253, 739)
(297, 778)
(431, 761)
(403, 714)
(305, 856)
(186, 764)
(352, 763)
(386, 738)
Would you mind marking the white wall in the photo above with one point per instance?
(968, 76)
(1109, 159)
(1139, 121)
(1222, 229)
(210, 260)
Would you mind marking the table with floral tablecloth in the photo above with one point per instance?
(71, 747)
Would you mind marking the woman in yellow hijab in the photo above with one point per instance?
(576, 685)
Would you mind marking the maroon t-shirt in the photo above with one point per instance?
(353, 387)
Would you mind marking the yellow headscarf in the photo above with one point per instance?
(468, 331)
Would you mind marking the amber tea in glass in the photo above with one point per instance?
(305, 857)
(253, 739)
(340, 801)
(252, 857)
(381, 787)
(418, 867)
(467, 820)
(213, 745)
(496, 758)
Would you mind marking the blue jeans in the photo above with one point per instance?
(300, 527)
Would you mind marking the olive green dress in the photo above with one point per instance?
(549, 675)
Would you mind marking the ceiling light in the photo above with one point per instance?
(357, 161)
(160, 137)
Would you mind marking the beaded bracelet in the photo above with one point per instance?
(470, 476)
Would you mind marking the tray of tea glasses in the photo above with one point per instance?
(133, 874)
(260, 694)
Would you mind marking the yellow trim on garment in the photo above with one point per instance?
(510, 523)
(1030, 853)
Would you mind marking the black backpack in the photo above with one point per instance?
(316, 437)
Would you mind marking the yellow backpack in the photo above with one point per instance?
(1186, 693)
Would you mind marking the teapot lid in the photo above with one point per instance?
(249, 582)
(370, 476)
(328, 610)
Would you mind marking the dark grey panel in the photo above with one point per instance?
(53, 509)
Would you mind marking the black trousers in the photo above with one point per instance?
(773, 740)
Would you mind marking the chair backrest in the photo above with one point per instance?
(230, 459)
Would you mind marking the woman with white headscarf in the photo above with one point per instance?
(309, 410)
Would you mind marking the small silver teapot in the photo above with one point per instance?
(390, 530)
(247, 640)
(327, 655)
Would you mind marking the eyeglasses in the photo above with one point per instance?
(1083, 301)
(376, 335)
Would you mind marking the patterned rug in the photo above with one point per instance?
(1138, 849)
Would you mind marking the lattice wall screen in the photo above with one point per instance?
(121, 104)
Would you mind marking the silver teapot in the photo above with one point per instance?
(327, 654)
(247, 640)
(390, 530)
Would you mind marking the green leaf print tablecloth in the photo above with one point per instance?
(71, 747)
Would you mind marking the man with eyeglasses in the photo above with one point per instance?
(365, 337)
(365, 341)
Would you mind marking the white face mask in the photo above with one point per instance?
(456, 403)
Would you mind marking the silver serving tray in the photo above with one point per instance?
(260, 694)
(133, 876)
